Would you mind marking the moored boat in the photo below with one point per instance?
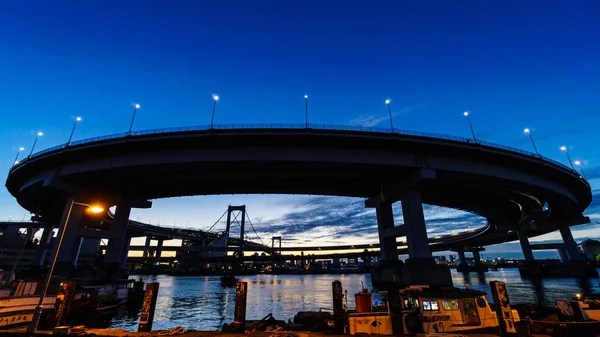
(436, 310)
(18, 305)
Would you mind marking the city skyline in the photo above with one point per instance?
(509, 67)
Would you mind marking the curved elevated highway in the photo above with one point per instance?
(514, 190)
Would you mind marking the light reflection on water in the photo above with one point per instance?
(201, 303)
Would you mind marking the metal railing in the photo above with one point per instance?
(284, 126)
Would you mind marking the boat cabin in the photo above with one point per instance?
(582, 308)
(433, 310)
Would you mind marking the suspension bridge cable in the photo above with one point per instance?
(222, 215)
(251, 225)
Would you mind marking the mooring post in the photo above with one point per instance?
(395, 309)
(239, 316)
(148, 306)
(503, 309)
(338, 307)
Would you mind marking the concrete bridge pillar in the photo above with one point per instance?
(385, 220)
(462, 260)
(114, 249)
(44, 245)
(420, 267)
(562, 255)
(570, 244)
(147, 246)
(30, 233)
(159, 248)
(477, 257)
(525, 246)
(71, 242)
(414, 221)
(125, 251)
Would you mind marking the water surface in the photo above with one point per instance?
(201, 303)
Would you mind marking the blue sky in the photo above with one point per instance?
(510, 64)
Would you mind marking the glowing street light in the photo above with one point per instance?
(578, 163)
(39, 134)
(135, 108)
(212, 120)
(306, 109)
(527, 131)
(38, 310)
(17, 157)
(564, 149)
(78, 119)
(388, 102)
(466, 114)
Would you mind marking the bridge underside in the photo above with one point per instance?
(516, 192)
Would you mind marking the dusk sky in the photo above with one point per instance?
(511, 64)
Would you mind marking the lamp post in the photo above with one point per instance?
(466, 114)
(17, 156)
(78, 119)
(212, 120)
(388, 102)
(578, 163)
(38, 310)
(527, 131)
(135, 108)
(306, 109)
(39, 134)
(564, 149)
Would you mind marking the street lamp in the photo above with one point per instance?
(38, 310)
(388, 102)
(78, 119)
(578, 163)
(527, 131)
(564, 149)
(135, 108)
(466, 114)
(39, 134)
(212, 120)
(17, 156)
(306, 108)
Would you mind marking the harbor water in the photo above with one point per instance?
(201, 303)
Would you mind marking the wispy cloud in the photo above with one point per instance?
(370, 120)
(321, 220)
(334, 220)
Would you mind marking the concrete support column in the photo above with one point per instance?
(30, 233)
(414, 221)
(420, 267)
(570, 244)
(147, 246)
(562, 255)
(159, 248)
(462, 260)
(476, 257)
(125, 252)
(114, 249)
(70, 243)
(42, 250)
(525, 246)
(385, 220)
